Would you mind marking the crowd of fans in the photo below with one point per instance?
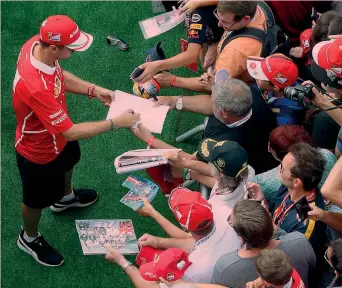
(269, 154)
(265, 148)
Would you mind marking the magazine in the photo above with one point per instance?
(141, 159)
(139, 188)
(118, 233)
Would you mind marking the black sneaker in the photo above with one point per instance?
(40, 250)
(83, 198)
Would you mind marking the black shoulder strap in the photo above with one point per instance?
(244, 32)
(268, 13)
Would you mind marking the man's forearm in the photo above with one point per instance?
(139, 282)
(86, 130)
(189, 56)
(203, 179)
(185, 244)
(200, 104)
(198, 166)
(333, 220)
(172, 230)
(74, 84)
(192, 84)
(332, 187)
(160, 144)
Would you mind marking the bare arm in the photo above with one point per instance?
(171, 229)
(332, 188)
(333, 220)
(189, 56)
(139, 282)
(74, 84)
(192, 84)
(185, 244)
(203, 179)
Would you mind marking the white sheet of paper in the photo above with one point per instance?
(151, 117)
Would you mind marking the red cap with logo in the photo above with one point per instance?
(147, 254)
(278, 69)
(190, 209)
(63, 31)
(328, 55)
(170, 265)
(305, 37)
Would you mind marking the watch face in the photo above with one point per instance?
(179, 106)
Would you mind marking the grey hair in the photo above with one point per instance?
(233, 96)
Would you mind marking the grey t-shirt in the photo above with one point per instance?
(233, 271)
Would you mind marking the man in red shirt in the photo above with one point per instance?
(46, 138)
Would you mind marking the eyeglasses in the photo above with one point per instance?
(282, 170)
(223, 25)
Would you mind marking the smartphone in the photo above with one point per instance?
(136, 73)
(302, 206)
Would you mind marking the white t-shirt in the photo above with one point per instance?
(224, 204)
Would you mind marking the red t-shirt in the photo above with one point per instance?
(40, 106)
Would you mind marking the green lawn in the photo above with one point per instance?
(106, 66)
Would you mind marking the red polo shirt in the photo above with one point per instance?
(40, 106)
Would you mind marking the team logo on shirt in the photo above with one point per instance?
(195, 18)
(280, 78)
(196, 26)
(54, 37)
(57, 87)
(193, 34)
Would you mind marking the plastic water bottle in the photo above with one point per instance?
(159, 24)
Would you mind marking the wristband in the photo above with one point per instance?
(150, 142)
(91, 89)
(112, 126)
(174, 81)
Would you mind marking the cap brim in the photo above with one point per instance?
(147, 254)
(148, 272)
(255, 70)
(321, 75)
(82, 43)
(321, 49)
(204, 149)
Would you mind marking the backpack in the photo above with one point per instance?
(273, 39)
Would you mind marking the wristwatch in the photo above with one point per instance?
(126, 265)
(179, 104)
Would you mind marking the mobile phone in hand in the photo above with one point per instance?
(302, 206)
(136, 73)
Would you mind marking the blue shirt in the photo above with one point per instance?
(314, 231)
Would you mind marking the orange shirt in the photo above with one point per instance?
(234, 56)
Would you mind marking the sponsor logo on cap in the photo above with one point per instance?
(252, 65)
(306, 43)
(143, 260)
(220, 162)
(54, 37)
(178, 214)
(151, 275)
(204, 148)
(268, 66)
(170, 276)
(73, 33)
(156, 258)
(195, 18)
(280, 78)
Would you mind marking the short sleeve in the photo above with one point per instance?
(198, 26)
(233, 61)
(50, 112)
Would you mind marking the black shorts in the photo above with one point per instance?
(44, 184)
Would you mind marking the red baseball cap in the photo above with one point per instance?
(328, 55)
(147, 254)
(305, 37)
(278, 69)
(63, 31)
(170, 264)
(190, 208)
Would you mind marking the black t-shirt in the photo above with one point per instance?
(203, 26)
(252, 135)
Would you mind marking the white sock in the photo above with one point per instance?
(30, 239)
(68, 197)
